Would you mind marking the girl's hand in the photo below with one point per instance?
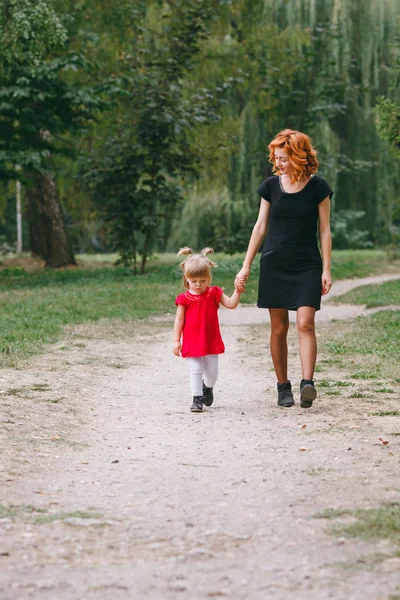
(241, 278)
(326, 282)
(176, 348)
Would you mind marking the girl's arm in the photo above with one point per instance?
(178, 326)
(257, 236)
(231, 302)
(326, 244)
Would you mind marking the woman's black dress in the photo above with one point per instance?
(290, 264)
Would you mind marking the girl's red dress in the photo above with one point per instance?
(201, 334)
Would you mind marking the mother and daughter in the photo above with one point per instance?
(295, 202)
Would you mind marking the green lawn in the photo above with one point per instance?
(36, 306)
(373, 295)
(374, 343)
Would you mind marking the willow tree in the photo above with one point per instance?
(315, 65)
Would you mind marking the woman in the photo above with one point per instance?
(292, 274)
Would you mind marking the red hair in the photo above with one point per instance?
(300, 151)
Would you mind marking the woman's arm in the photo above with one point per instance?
(326, 244)
(178, 326)
(231, 302)
(257, 236)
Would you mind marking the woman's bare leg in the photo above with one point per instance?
(278, 342)
(307, 341)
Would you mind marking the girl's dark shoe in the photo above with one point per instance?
(197, 405)
(285, 396)
(208, 395)
(308, 393)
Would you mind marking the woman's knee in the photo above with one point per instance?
(280, 329)
(305, 325)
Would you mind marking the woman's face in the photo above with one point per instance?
(282, 161)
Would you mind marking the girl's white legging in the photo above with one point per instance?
(202, 368)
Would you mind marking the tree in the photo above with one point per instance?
(29, 30)
(388, 114)
(42, 108)
(137, 177)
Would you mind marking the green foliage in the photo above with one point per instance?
(38, 105)
(29, 30)
(388, 121)
(345, 233)
(137, 175)
(387, 111)
(248, 68)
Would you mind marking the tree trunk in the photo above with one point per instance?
(48, 234)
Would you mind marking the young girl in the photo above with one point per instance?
(197, 323)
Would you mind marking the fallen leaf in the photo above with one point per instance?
(303, 449)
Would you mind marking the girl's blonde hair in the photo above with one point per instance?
(196, 265)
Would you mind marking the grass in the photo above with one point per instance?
(326, 383)
(373, 524)
(347, 264)
(39, 516)
(372, 344)
(36, 306)
(16, 392)
(386, 413)
(373, 295)
(40, 387)
(366, 374)
(382, 523)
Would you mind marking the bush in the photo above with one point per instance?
(345, 234)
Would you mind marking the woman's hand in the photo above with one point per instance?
(241, 278)
(326, 282)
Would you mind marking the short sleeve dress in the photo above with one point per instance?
(290, 263)
(201, 333)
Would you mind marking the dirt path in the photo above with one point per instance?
(111, 489)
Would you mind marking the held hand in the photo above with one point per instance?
(326, 282)
(176, 348)
(241, 278)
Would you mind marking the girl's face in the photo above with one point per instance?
(282, 161)
(198, 285)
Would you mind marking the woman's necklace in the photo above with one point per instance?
(291, 188)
